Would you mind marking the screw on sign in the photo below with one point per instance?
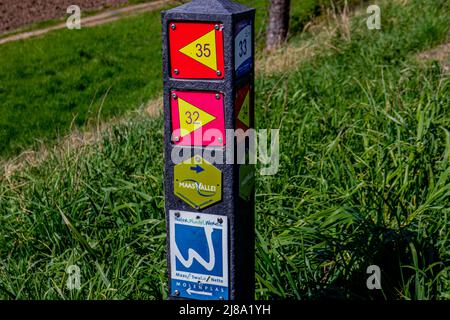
(208, 69)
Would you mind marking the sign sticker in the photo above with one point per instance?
(243, 55)
(198, 255)
(196, 50)
(197, 112)
(197, 182)
(242, 109)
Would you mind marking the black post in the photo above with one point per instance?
(208, 65)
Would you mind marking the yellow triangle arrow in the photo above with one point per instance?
(191, 117)
(203, 50)
(244, 113)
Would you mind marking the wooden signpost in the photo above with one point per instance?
(208, 63)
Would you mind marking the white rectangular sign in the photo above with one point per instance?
(198, 255)
(243, 56)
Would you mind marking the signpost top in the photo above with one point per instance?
(224, 7)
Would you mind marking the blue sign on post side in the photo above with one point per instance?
(243, 55)
(199, 255)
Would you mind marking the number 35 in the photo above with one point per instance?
(203, 50)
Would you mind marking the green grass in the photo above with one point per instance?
(365, 139)
(99, 191)
(71, 78)
(364, 179)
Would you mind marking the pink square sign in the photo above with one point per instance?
(197, 118)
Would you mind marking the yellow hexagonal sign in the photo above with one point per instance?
(197, 182)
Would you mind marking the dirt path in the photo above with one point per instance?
(102, 18)
(440, 54)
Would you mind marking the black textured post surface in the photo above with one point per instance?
(238, 212)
